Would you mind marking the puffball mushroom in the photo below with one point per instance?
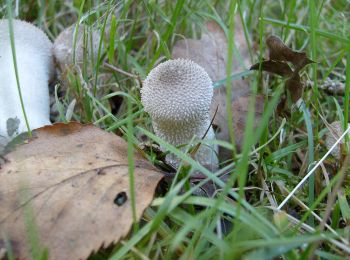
(86, 44)
(35, 69)
(177, 94)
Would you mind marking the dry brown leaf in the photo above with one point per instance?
(280, 52)
(75, 178)
(295, 87)
(240, 113)
(279, 55)
(277, 67)
(211, 53)
(207, 51)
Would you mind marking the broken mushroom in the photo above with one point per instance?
(177, 94)
(35, 69)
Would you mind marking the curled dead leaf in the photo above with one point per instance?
(75, 179)
(279, 55)
(277, 67)
(278, 51)
(295, 87)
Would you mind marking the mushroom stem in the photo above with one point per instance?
(35, 68)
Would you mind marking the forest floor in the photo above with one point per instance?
(274, 123)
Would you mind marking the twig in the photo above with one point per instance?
(331, 86)
(113, 68)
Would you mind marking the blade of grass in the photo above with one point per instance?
(131, 163)
(99, 52)
(112, 40)
(14, 58)
(198, 167)
(304, 28)
(149, 227)
(175, 14)
(8, 246)
(311, 148)
(76, 30)
(312, 156)
(346, 97)
(235, 76)
(344, 207)
(229, 64)
(30, 223)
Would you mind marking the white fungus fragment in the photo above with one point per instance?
(334, 133)
(35, 69)
(177, 94)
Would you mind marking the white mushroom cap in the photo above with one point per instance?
(177, 94)
(87, 43)
(29, 37)
(35, 68)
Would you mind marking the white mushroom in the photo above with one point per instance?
(35, 69)
(177, 94)
(86, 45)
(335, 131)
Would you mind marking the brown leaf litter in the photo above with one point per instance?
(75, 180)
(279, 56)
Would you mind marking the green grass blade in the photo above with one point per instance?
(13, 49)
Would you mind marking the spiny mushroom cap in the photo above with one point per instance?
(177, 94)
(29, 38)
(177, 91)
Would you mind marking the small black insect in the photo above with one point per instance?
(121, 198)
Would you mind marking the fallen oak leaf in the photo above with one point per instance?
(76, 181)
